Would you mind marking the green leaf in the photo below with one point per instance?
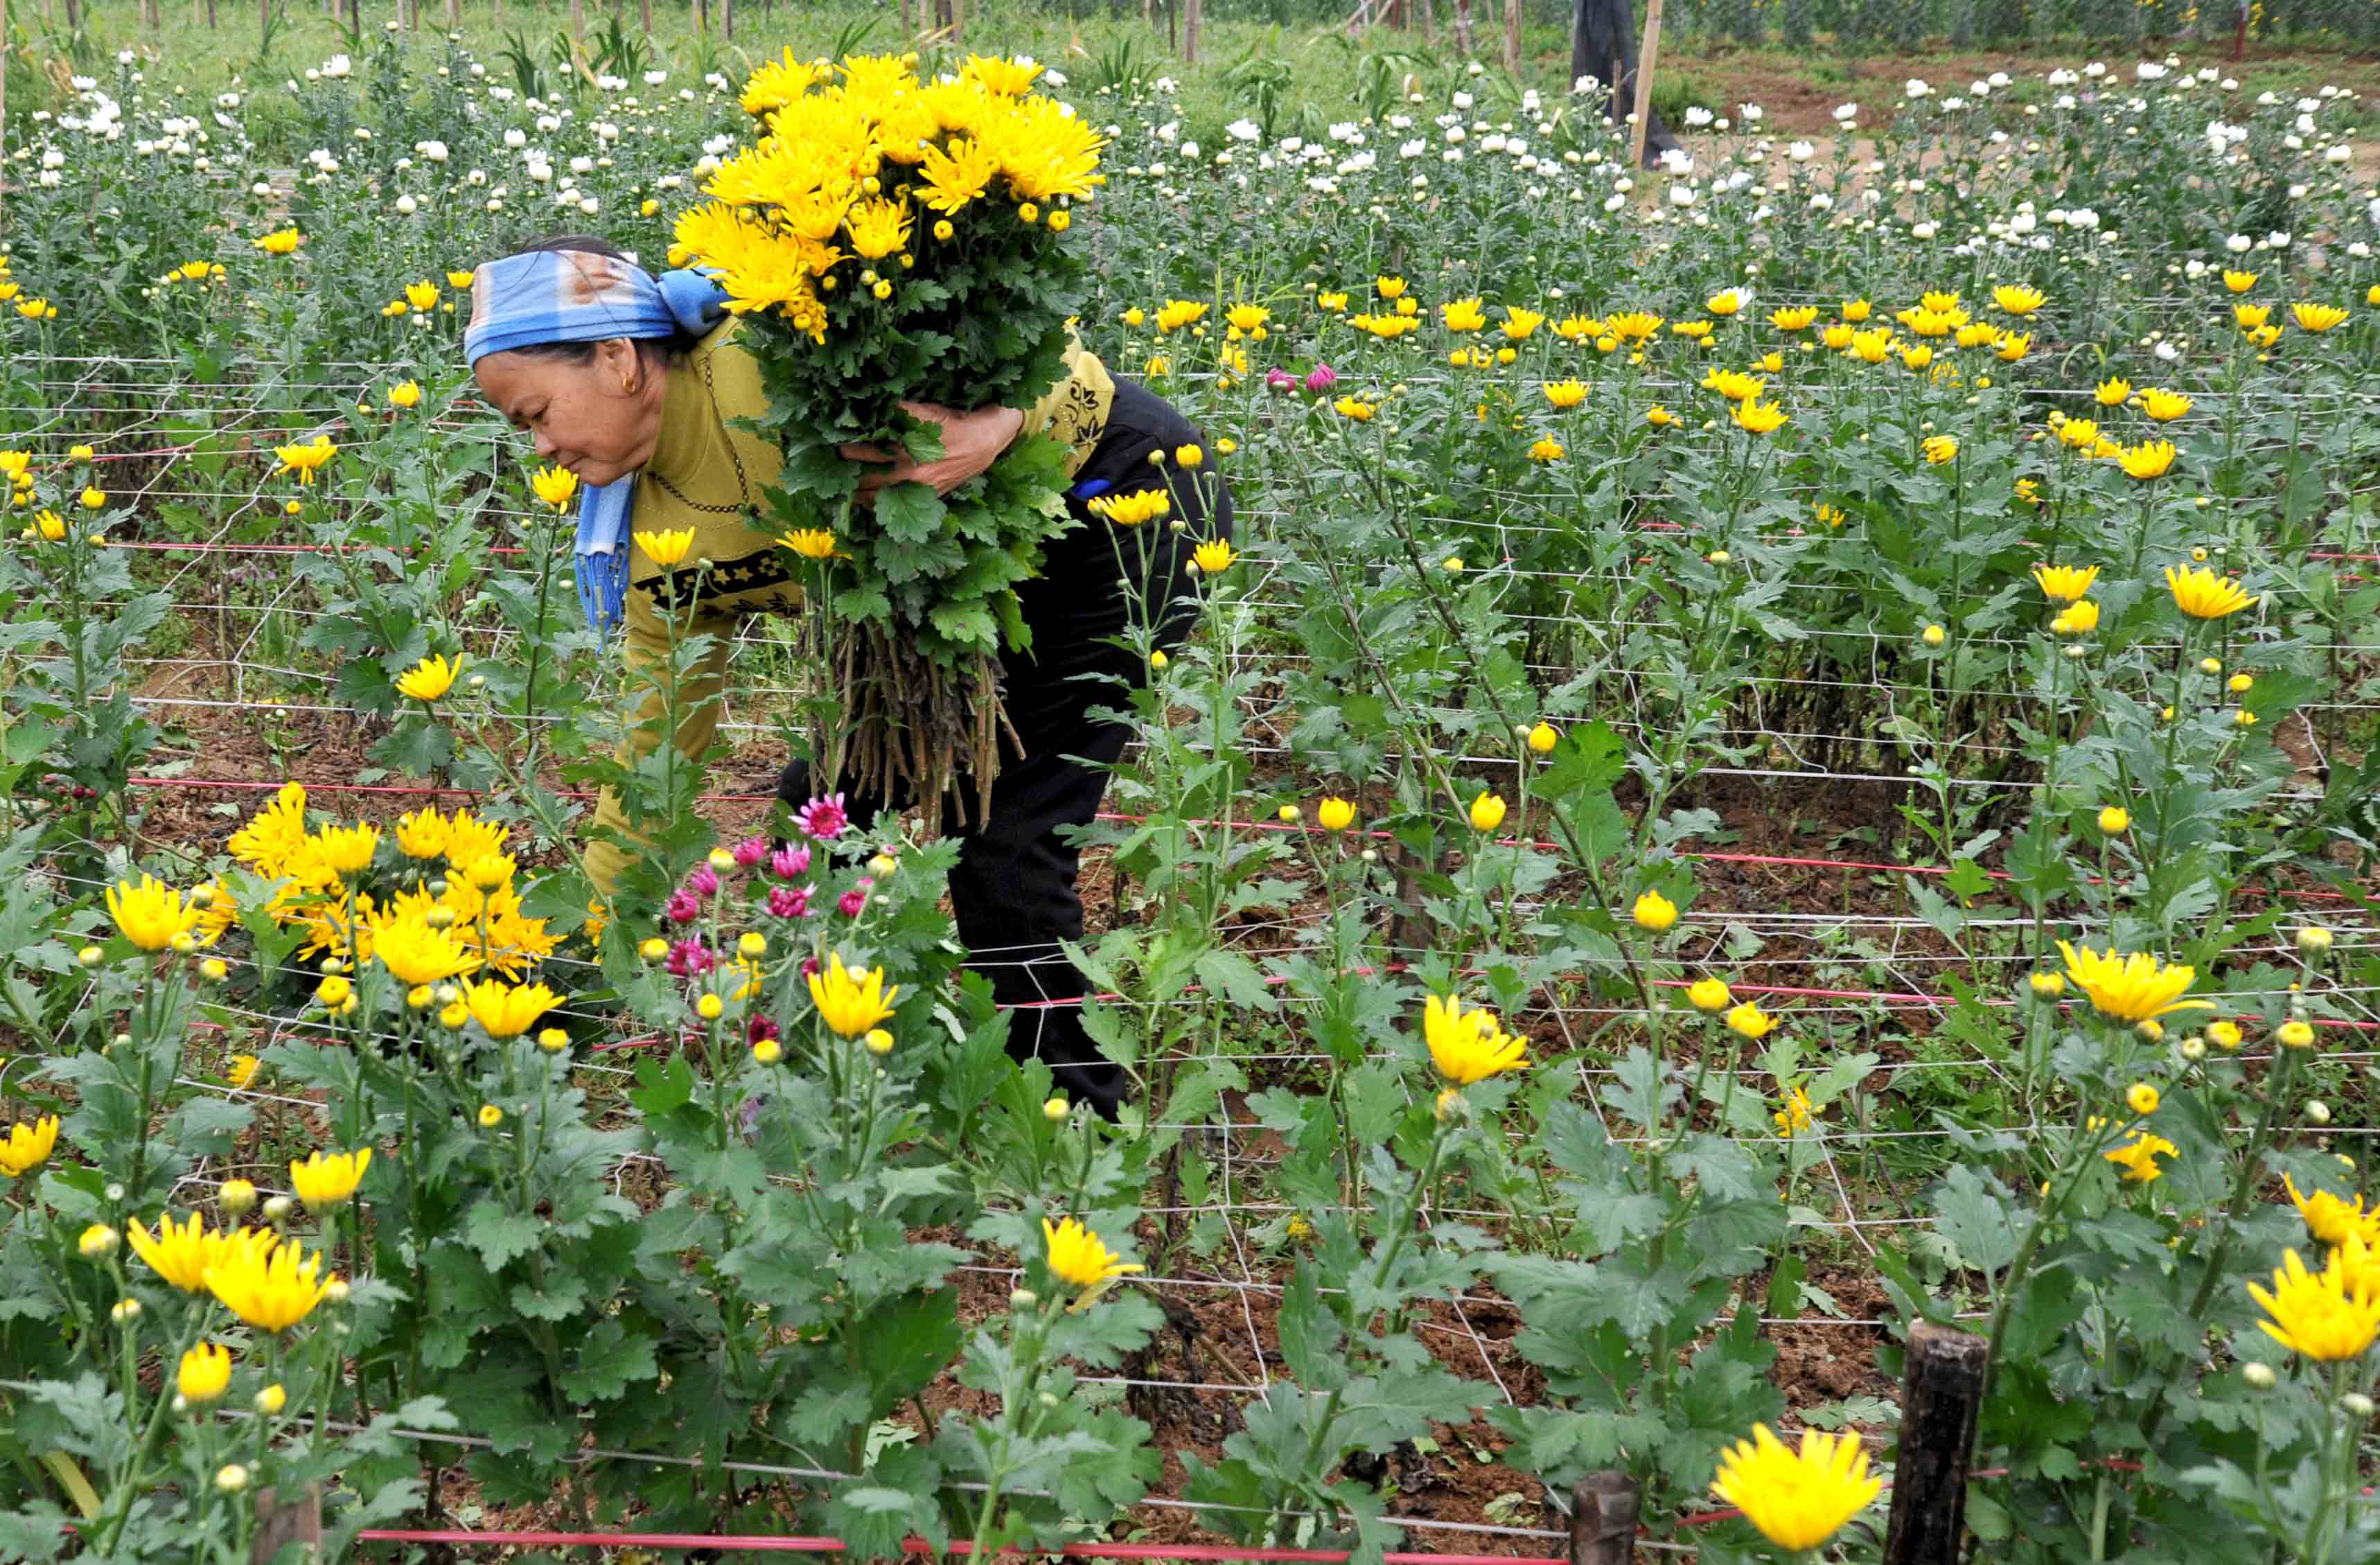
(909, 513)
(609, 1361)
(1979, 1216)
(498, 1234)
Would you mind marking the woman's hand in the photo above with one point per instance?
(971, 442)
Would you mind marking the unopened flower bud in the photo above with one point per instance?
(2314, 939)
(98, 1241)
(1056, 1108)
(278, 1209)
(231, 1478)
(238, 1197)
(2356, 1404)
(1023, 1299)
(2258, 1376)
(2317, 1111)
(271, 1400)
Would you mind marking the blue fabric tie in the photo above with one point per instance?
(542, 297)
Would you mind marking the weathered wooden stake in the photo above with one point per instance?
(1941, 1394)
(1603, 1519)
(1644, 58)
(300, 1522)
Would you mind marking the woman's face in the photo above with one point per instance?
(601, 420)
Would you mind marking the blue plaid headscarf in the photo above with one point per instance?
(580, 296)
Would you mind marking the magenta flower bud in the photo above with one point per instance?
(1279, 381)
(810, 966)
(850, 903)
(691, 959)
(704, 881)
(790, 863)
(684, 907)
(751, 851)
(1321, 379)
(786, 901)
(761, 1026)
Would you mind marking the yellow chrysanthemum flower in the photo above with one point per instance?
(204, 1374)
(181, 1255)
(1797, 1499)
(2317, 1314)
(2065, 584)
(1078, 1257)
(150, 913)
(810, 543)
(1213, 557)
(2131, 988)
(2018, 298)
(430, 679)
(506, 1010)
(2202, 595)
(307, 459)
(554, 485)
(2317, 318)
(850, 1001)
(323, 1182)
(1469, 1046)
(2164, 406)
(272, 1286)
(2328, 1218)
(28, 1146)
(2138, 1157)
(668, 548)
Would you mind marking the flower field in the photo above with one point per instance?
(1784, 753)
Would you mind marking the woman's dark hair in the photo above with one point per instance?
(668, 352)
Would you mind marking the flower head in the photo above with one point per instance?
(506, 1010)
(2164, 406)
(1749, 1021)
(1796, 1116)
(1941, 449)
(430, 679)
(204, 1374)
(1214, 556)
(1758, 418)
(28, 1146)
(2202, 595)
(2064, 584)
(2317, 318)
(668, 548)
(1798, 1499)
(307, 459)
(2017, 299)
(850, 1003)
(554, 485)
(822, 819)
(2131, 988)
(2328, 1219)
(2080, 618)
(1469, 1046)
(2150, 459)
(405, 393)
(2318, 1314)
(269, 1284)
(1335, 814)
(810, 543)
(1487, 812)
(2138, 1157)
(180, 1256)
(325, 1182)
(1077, 1256)
(1709, 996)
(150, 913)
(1462, 315)
(1653, 912)
(417, 951)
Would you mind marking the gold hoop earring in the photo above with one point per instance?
(627, 386)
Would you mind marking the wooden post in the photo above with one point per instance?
(1603, 1519)
(1462, 28)
(727, 20)
(1513, 38)
(1644, 58)
(1941, 1394)
(278, 1526)
(1193, 13)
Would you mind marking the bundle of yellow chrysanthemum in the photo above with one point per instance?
(891, 239)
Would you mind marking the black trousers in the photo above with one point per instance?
(1014, 893)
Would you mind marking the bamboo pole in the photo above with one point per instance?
(1644, 59)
